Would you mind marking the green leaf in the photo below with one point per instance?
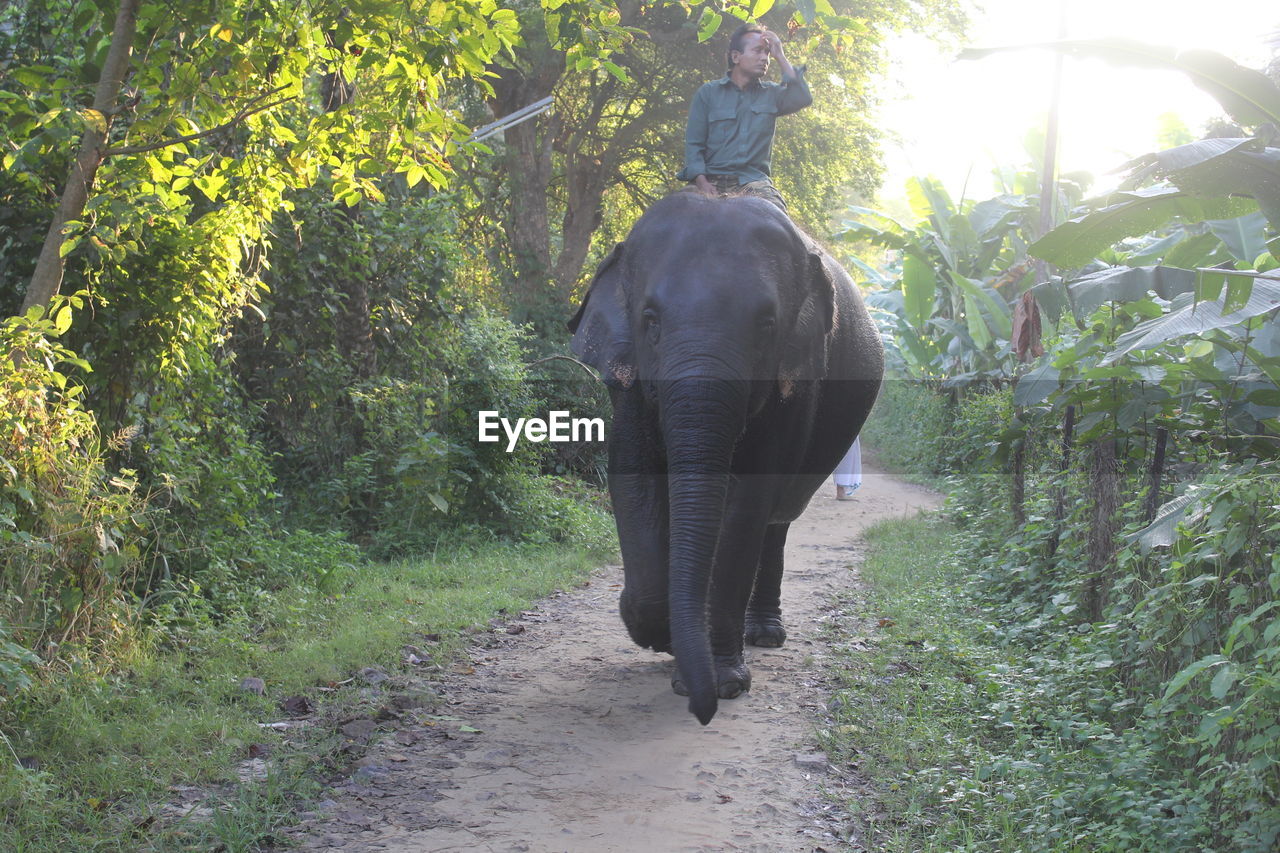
(1189, 672)
(616, 70)
(1245, 236)
(978, 329)
(708, 23)
(94, 120)
(438, 502)
(920, 348)
(1198, 153)
(1248, 95)
(761, 7)
(990, 217)
(1163, 529)
(62, 319)
(1037, 384)
(1252, 174)
(1222, 682)
(928, 198)
(1197, 318)
(210, 185)
(808, 8)
(1127, 284)
(1239, 289)
(919, 286)
(1198, 251)
(855, 232)
(1077, 241)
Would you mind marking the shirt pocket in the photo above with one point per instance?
(720, 125)
(763, 116)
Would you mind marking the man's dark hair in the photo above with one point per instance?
(739, 36)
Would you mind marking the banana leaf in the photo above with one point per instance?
(1036, 385)
(1163, 530)
(995, 214)
(1245, 236)
(919, 286)
(1203, 250)
(1197, 318)
(1129, 214)
(857, 232)
(1255, 174)
(1127, 284)
(992, 306)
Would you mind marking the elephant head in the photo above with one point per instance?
(711, 310)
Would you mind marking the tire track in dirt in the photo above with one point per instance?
(566, 737)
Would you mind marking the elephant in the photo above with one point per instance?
(740, 363)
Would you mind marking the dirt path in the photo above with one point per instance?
(566, 737)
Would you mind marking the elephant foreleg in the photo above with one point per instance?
(764, 614)
(640, 509)
(637, 487)
(733, 574)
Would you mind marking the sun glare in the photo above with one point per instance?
(959, 120)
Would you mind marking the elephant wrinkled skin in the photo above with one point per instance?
(741, 363)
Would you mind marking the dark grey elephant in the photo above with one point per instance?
(741, 363)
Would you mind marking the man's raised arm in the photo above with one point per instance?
(795, 94)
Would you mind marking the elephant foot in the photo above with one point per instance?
(647, 622)
(765, 630)
(732, 679)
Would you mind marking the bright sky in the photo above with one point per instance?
(954, 118)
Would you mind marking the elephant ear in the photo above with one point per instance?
(804, 354)
(602, 333)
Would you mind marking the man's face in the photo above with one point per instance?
(753, 59)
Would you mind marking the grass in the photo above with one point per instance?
(105, 751)
(913, 706)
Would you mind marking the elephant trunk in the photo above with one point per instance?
(701, 422)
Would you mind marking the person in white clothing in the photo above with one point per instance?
(848, 474)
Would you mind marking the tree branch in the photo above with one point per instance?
(248, 110)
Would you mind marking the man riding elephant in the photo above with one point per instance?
(729, 138)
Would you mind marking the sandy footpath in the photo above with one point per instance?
(563, 736)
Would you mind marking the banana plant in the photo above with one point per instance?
(945, 299)
(1172, 280)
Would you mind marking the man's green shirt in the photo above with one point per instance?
(730, 130)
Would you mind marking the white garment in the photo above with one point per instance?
(849, 472)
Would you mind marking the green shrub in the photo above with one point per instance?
(971, 436)
(1159, 720)
(907, 426)
(69, 529)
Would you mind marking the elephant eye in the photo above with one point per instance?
(651, 326)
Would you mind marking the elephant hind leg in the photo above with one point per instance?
(764, 626)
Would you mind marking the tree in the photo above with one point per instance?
(615, 138)
(217, 109)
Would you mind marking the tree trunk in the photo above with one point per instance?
(1060, 489)
(47, 278)
(585, 188)
(1157, 475)
(528, 171)
(1018, 488)
(1105, 490)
